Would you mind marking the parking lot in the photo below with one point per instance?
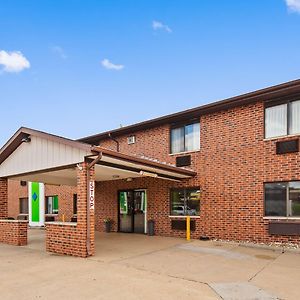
(131, 266)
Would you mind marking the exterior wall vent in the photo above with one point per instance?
(131, 140)
(287, 146)
(181, 225)
(284, 228)
(183, 161)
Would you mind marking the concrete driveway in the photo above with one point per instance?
(131, 266)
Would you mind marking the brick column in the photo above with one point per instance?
(3, 198)
(82, 201)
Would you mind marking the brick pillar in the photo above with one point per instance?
(82, 201)
(3, 198)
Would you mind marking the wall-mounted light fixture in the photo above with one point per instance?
(26, 139)
(148, 174)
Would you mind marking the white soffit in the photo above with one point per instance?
(60, 177)
(68, 176)
(142, 167)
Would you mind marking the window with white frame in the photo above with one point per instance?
(282, 199)
(185, 138)
(282, 119)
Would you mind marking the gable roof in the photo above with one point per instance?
(17, 139)
(291, 88)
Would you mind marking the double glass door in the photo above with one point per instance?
(132, 211)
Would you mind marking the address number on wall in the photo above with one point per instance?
(92, 195)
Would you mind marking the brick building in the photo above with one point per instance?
(233, 166)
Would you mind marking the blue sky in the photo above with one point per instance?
(75, 68)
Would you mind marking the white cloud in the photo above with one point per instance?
(13, 62)
(107, 64)
(293, 5)
(156, 25)
(59, 51)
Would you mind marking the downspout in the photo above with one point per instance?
(88, 217)
(113, 139)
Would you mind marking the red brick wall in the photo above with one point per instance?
(64, 238)
(65, 198)
(71, 239)
(3, 197)
(232, 165)
(13, 232)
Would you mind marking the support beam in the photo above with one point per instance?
(85, 212)
(3, 198)
(90, 192)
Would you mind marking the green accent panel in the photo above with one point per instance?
(55, 203)
(35, 202)
(123, 203)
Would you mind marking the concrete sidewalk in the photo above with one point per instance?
(131, 266)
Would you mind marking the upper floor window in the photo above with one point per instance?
(283, 119)
(185, 138)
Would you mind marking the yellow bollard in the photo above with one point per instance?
(188, 228)
(63, 217)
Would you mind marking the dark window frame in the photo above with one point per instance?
(118, 205)
(75, 201)
(22, 199)
(288, 115)
(183, 125)
(287, 199)
(185, 200)
(46, 205)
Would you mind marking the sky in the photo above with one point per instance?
(80, 67)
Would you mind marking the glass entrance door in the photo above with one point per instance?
(139, 201)
(132, 211)
(126, 211)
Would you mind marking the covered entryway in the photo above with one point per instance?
(36, 156)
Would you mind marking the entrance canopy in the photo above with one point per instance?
(32, 155)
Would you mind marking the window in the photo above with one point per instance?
(75, 204)
(282, 199)
(52, 205)
(23, 205)
(283, 119)
(294, 117)
(185, 202)
(185, 138)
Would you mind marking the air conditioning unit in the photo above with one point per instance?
(131, 140)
